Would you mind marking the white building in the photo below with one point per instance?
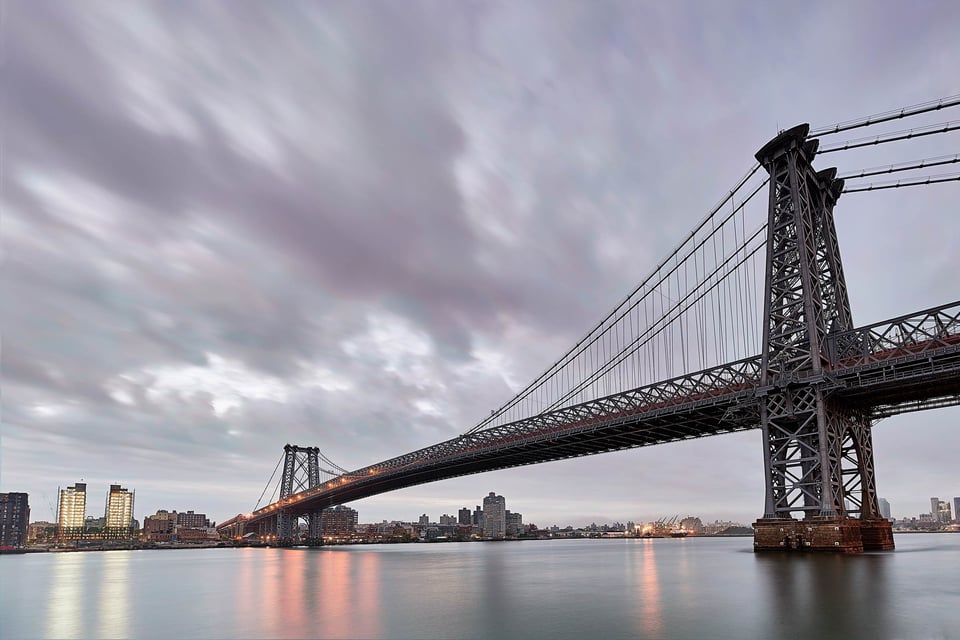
(118, 512)
(72, 511)
(494, 516)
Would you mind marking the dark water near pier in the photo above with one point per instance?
(662, 588)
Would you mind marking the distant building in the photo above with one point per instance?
(956, 508)
(464, 516)
(693, 525)
(477, 519)
(884, 508)
(944, 516)
(191, 520)
(513, 524)
(424, 519)
(71, 512)
(494, 516)
(339, 520)
(940, 511)
(160, 527)
(118, 513)
(14, 519)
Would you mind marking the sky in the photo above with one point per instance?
(228, 226)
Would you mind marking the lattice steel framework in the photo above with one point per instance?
(818, 456)
(301, 472)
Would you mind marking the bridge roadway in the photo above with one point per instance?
(905, 364)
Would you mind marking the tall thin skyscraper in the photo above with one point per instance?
(884, 508)
(935, 508)
(72, 511)
(956, 509)
(494, 516)
(118, 513)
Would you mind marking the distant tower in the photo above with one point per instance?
(884, 508)
(935, 508)
(956, 509)
(72, 512)
(494, 516)
(464, 517)
(118, 513)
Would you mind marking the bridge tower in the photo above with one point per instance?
(301, 471)
(818, 453)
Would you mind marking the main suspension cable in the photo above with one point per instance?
(877, 186)
(580, 347)
(886, 116)
(902, 166)
(917, 132)
(267, 486)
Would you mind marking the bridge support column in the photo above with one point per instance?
(818, 453)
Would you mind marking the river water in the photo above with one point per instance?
(609, 588)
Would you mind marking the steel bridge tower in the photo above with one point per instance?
(301, 472)
(818, 453)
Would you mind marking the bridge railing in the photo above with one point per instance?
(921, 332)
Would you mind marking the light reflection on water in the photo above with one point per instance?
(560, 589)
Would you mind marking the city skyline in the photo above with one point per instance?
(227, 231)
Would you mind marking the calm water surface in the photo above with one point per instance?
(664, 588)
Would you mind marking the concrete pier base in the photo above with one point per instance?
(877, 534)
(831, 534)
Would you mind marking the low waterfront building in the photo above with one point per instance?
(339, 520)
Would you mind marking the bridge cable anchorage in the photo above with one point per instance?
(902, 166)
(894, 136)
(896, 184)
(895, 114)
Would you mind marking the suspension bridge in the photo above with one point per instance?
(746, 325)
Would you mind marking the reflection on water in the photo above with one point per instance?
(822, 596)
(65, 603)
(648, 590)
(114, 605)
(657, 589)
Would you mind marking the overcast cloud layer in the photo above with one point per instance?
(361, 226)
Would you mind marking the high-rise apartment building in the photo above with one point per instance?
(494, 516)
(118, 513)
(72, 511)
(956, 508)
(884, 508)
(935, 508)
(14, 519)
(464, 517)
